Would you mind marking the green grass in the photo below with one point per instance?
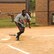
(6, 22)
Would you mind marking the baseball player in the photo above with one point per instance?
(20, 21)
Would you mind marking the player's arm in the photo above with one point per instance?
(29, 20)
(29, 24)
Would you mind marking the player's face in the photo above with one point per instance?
(24, 13)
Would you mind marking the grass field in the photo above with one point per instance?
(6, 22)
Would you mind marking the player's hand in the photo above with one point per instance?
(29, 27)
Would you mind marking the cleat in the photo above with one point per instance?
(17, 38)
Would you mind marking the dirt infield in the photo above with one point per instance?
(37, 40)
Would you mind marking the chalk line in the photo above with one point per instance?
(18, 49)
(7, 38)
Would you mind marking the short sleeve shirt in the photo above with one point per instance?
(22, 19)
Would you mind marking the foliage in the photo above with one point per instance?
(32, 5)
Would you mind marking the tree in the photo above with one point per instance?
(32, 5)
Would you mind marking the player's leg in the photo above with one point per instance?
(19, 33)
(21, 30)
